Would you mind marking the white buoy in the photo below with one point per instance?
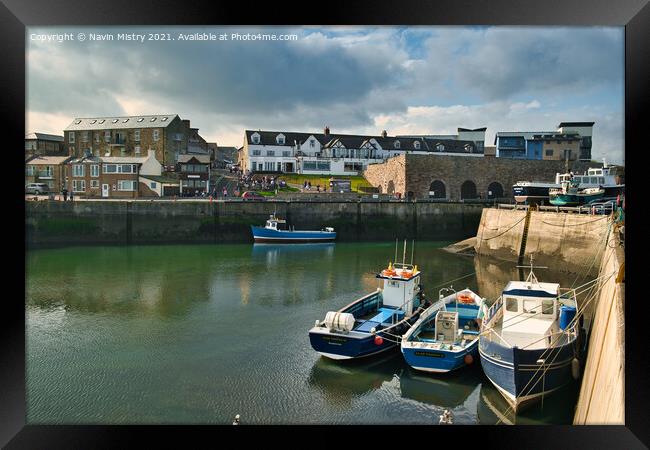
(236, 421)
(575, 368)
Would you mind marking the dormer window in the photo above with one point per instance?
(416, 145)
(125, 120)
(255, 138)
(115, 120)
(468, 148)
(77, 122)
(141, 119)
(280, 139)
(164, 119)
(102, 121)
(153, 119)
(396, 144)
(93, 121)
(440, 147)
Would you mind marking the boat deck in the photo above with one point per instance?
(383, 316)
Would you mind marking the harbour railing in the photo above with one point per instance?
(584, 209)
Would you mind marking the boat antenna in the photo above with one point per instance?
(404, 254)
(395, 250)
(412, 250)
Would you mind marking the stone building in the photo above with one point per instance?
(131, 136)
(44, 144)
(457, 178)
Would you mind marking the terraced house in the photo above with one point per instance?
(337, 154)
(122, 177)
(47, 169)
(166, 135)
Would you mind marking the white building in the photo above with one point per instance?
(336, 154)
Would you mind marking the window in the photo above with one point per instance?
(125, 120)
(547, 306)
(152, 185)
(601, 180)
(257, 152)
(164, 119)
(77, 122)
(594, 180)
(127, 168)
(107, 136)
(84, 136)
(102, 121)
(396, 144)
(416, 145)
(270, 153)
(78, 170)
(256, 139)
(393, 283)
(137, 149)
(94, 170)
(30, 171)
(312, 143)
(530, 306)
(136, 135)
(126, 185)
(153, 119)
(97, 137)
(280, 139)
(440, 147)
(115, 120)
(110, 168)
(141, 119)
(93, 121)
(511, 304)
(94, 184)
(79, 185)
(549, 152)
(286, 153)
(156, 134)
(71, 137)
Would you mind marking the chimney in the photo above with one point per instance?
(186, 122)
(327, 130)
(384, 133)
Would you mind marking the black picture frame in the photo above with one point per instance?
(15, 15)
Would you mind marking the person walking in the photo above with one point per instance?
(65, 194)
(72, 196)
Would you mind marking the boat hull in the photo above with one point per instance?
(436, 360)
(519, 377)
(265, 235)
(573, 199)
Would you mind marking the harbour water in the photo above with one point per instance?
(194, 334)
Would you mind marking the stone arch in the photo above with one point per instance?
(391, 187)
(438, 188)
(495, 190)
(468, 190)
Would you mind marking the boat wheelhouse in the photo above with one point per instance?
(570, 194)
(277, 231)
(375, 322)
(529, 340)
(445, 337)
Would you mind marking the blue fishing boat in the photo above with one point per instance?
(445, 337)
(276, 231)
(529, 341)
(373, 323)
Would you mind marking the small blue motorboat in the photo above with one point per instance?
(530, 338)
(373, 323)
(276, 231)
(445, 337)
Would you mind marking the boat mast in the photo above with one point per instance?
(404, 254)
(395, 250)
(412, 250)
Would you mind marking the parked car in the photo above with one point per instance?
(37, 188)
(253, 196)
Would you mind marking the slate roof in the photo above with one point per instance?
(120, 122)
(204, 159)
(50, 160)
(44, 137)
(576, 124)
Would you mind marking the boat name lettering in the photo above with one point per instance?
(431, 354)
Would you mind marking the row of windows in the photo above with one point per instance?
(194, 168)
(79, 170)
(120, 137)
(122, 185)
(139, 120)
(530, 306)
(194, 183)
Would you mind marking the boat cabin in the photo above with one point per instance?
(276, 224)
(530, 311)
(401, 282)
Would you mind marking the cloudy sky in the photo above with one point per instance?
(361, 80)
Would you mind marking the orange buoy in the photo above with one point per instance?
(465, 298)
(469, 359)
(379, 340)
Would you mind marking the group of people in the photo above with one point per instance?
(306, 186)
(64, 194)
(264, 183)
